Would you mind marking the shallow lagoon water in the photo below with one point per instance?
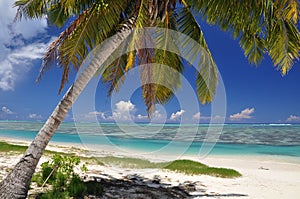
(235, 139)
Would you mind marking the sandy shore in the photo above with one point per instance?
(262, 176)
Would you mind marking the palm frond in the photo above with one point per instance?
(56, 10)
(130, 61)
(113, 71)
(31, 8)
(58, 13)
(169, 65)
(207, 76)
(89, 29)
(114, 75)
(206, 82)
(284, 45)
(161, 72)
(53, 51)
(145, 63)
(144, 55)
(291, 12)
(253, 44)
(283, 39)
(263, 26)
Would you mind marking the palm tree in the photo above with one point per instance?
(261, 26)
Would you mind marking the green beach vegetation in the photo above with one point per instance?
(263, 27)
(5, 148)
(196, 168)
(182, 166)
(64, 182)
(20, 149)
(59, 174)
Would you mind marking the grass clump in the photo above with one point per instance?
(126, 162)
(19, 149)
(195, 168)
(5, 147)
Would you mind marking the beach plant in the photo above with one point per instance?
(5, 147)
(60, 169)
(196, 168)
(262, 27)
(60, 173)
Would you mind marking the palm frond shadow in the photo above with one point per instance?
(136, 185)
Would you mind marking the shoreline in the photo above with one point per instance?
(107, 150)
(262, 176)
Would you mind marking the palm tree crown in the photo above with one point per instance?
(262, 27)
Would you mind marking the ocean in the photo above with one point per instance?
(203, 139)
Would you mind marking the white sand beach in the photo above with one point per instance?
(262, 176)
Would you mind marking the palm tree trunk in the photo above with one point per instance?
(16, 184)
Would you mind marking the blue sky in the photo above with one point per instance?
(253, 94)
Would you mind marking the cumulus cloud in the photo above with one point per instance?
(244, 114)
(6, 110)
(123, 111)
(97, 114)
(89, 117)
(18, 62)
(197, 116)
(218, 118)
(177, 115)
(158, 116)
(34, 116)
(142, 117)
(17, 52)
(213, 119)
(293, 118)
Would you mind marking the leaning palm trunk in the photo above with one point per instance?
(16, 184)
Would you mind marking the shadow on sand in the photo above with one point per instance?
(135, 186)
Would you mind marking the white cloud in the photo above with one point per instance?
(97, 113)
(90, 116)
(244, 114)
(17, 53)
(218, 118)
(197, 116)
(177, 115)
(142, 117)
(214, 119)
(7, 110)
(18, 62)
(123, 111)
(158, 116)
(293, 118)
(35, 116)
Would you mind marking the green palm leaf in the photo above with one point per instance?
(207, 76)
(90, 28)
(57, 11)
(114, 75)
(167, 72)
(283, 50)
(31, 8)
(263, 26)
(160, 69)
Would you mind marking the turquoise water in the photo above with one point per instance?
(234, 139)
